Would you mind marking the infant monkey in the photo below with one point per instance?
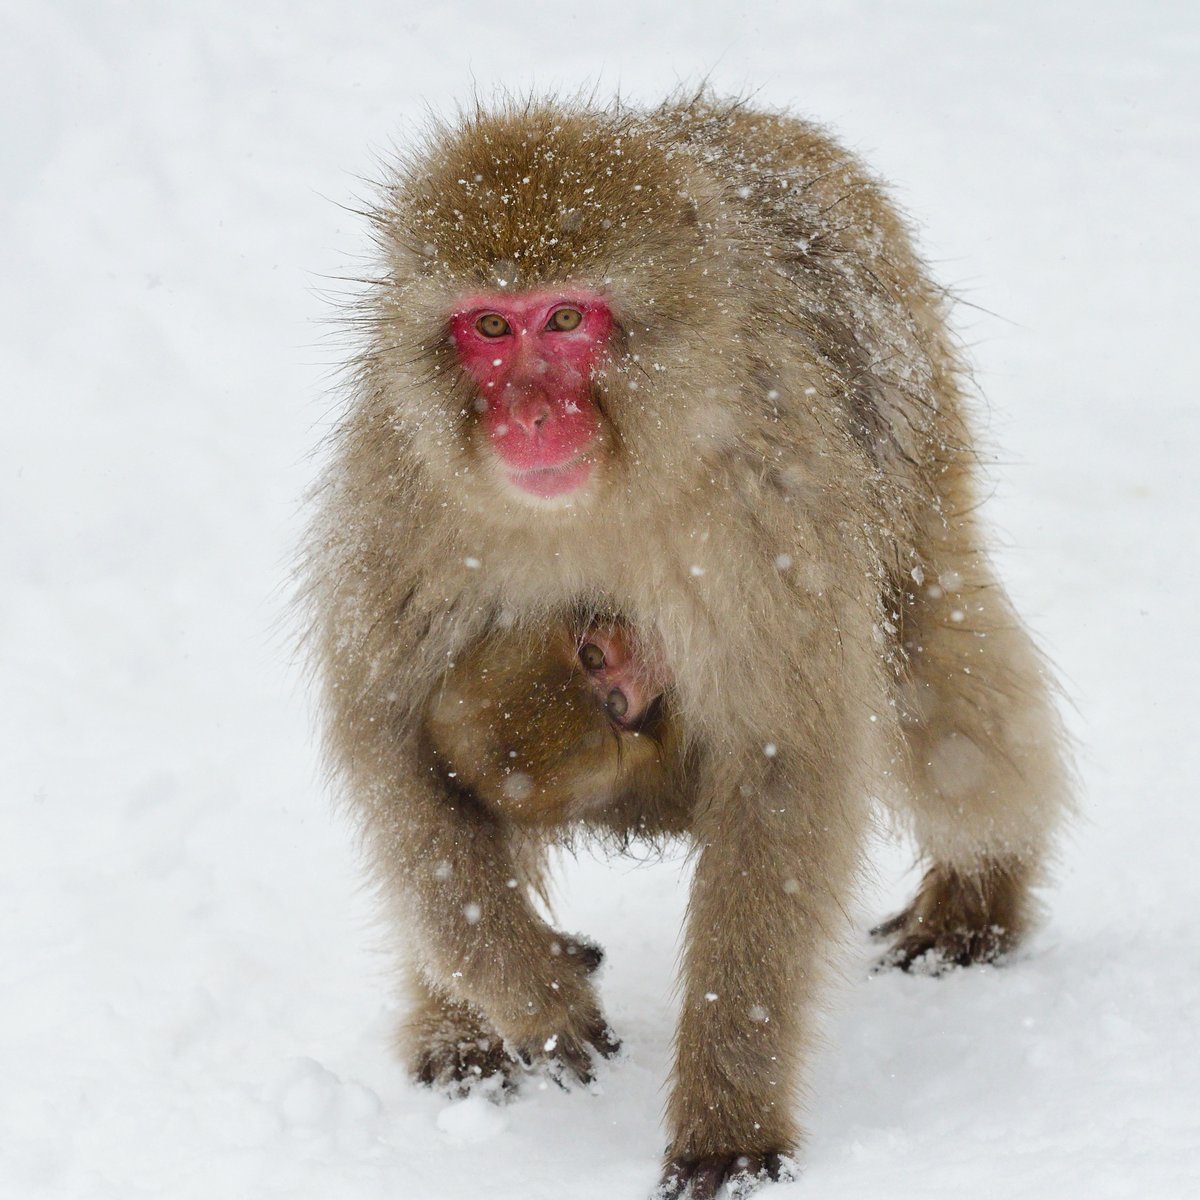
(579, 729)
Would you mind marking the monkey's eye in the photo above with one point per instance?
(564, 319)
(592, 656)
(492, 325)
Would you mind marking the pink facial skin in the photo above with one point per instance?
(625, 683)
(534, 381)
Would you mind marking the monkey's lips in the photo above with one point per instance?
(548, 482)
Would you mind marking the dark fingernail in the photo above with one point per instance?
(782, 1168)
(590, 956)
(708, 1179)
(745, 1175)
(674, 1180)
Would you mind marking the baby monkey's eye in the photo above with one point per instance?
(564, 319)
(492, 325)
(591, 656)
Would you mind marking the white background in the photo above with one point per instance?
(193, 1002)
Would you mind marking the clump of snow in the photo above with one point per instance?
(474, 1119)
(517, 786)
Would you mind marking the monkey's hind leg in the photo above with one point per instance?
(986, 779)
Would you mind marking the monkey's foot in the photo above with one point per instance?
(701, 1178)
(957, 919)
(456, 1052)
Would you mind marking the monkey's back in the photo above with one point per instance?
(861, 299)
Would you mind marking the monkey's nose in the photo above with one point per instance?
(530, 415)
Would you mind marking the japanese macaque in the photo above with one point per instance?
(654, 512)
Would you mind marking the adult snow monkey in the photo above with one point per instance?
(671, 385)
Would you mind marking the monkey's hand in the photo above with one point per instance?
(456, 1064)
(562, 1034)
(568, 1055)
(700, 1178)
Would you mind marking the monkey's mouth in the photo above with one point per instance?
(549, 482)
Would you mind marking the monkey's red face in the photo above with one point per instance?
(532, 356)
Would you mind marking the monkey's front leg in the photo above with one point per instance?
(478, 941)
(778, 851)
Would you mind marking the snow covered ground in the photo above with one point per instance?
(192, 1003)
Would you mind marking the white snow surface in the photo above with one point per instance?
(195, 998)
